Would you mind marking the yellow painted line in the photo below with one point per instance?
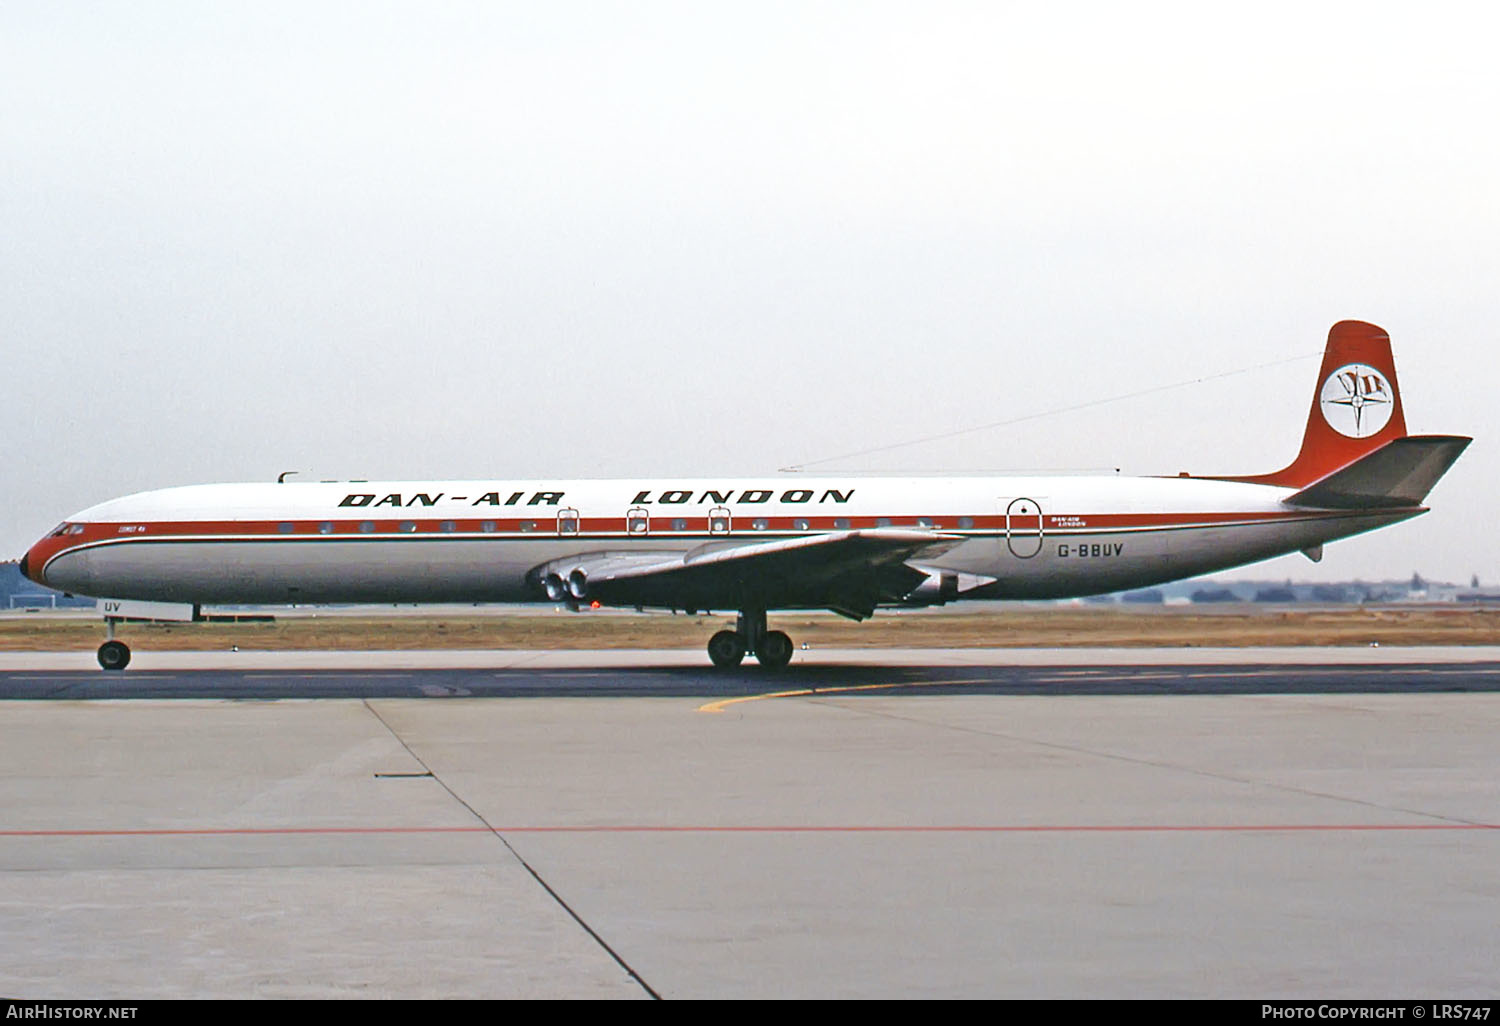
(724, 703)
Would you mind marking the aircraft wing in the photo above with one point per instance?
(850, 572)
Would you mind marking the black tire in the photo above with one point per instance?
(114, 655)
(726, 649)
(775, 650)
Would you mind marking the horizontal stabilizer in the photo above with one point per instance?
(1399, 473)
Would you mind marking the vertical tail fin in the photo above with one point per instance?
(1356, 406)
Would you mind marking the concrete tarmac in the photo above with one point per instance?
(1151, 828)
(695, 659)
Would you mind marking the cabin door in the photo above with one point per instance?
(1023, 527)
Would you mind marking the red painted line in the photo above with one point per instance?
(1121, 828)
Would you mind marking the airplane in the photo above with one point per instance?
(850, 545)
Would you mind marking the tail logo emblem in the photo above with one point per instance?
(1357, 400)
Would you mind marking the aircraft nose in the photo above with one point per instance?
(31, 565)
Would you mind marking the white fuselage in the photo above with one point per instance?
(481, 541)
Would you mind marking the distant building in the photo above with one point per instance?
(1282, 594)
(1214, 595)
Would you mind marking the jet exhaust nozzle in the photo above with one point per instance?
(578, 584)
(556, 590)
(943, 586)
(940, 588)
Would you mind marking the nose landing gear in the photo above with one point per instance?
(113, 655)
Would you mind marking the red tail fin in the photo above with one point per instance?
(1356, 407)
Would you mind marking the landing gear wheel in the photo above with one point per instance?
(774, 650)
(726, 649)
(114, 655)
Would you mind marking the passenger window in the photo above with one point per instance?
(325, 527)
(800, 525)
(286, 528)
(488, 527)
(758, 524)
(448, 527)
(965, 521)
(567, 522)
(841, 523)
(637, 521)
(718, 520)
(408, 526)
(367, 527)
(528, 525)
(679, 524)
(883, 522)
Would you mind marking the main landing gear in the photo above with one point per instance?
(772, 649)
(113, 655)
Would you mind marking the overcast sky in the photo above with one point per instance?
(559, 240)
